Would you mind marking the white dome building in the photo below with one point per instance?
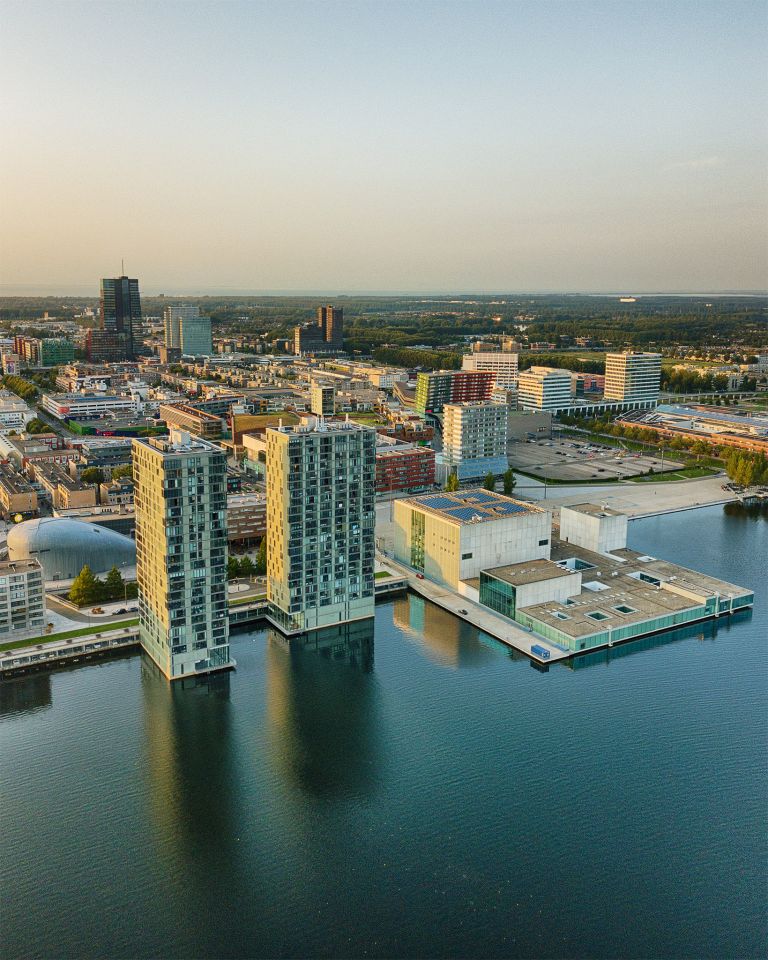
(64, 546)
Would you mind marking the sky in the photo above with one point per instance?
(384, 147)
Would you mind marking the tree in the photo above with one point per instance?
(114, 585)
(452, 483)
(233, 568)
(86, 588)
(490, 482)
(125, 470)
(261, 558)
(247, 568)
(92, 475)
(509, 481)
(36, 425)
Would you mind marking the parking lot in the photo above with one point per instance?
(577, 459)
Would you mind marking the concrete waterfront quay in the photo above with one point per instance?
(47, 654)
(483, 618)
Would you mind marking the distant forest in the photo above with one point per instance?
(445, 322)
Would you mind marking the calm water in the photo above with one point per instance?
(424, 794)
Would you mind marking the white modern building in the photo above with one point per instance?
(22, 599)
(504, 365)
(451, 537)
(544, 388)
(181, 553)
(632, 377)
(85, 406)
(596, 528)
(474, 439)
(321, 484)
(14, 413)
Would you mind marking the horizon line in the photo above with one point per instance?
(32, 290)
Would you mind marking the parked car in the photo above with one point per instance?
(462, 612)
(420, 576)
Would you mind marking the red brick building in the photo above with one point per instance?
(404, 468)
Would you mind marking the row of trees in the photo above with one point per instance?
(507, 480)
(747, 469)
(426, 359)
(245, 567)
(87, 588)
(692, 381)
(21, 387)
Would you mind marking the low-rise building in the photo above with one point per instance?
(14, 413)
(192, 419)
(451, 537)
(17, 496)
(403, 467)
(529, 424)
(246, 518)
(117, 492)
(84, 406)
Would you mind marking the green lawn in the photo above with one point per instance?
(687, 473)
(250, 599)
(381, 574)
(68, 634)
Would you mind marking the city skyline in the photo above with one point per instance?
(472, 148)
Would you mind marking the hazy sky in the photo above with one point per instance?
(406, 146)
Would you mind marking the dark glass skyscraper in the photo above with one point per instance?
(121, 309)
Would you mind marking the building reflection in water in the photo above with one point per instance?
(25, 694)
(187, 730)
(445, 639)
(322, 704)
(704, 632)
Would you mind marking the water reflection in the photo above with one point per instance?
(25, 694)
(741, 511)
(322, 704)
(704, 632)
(445, 639)
(187, 730)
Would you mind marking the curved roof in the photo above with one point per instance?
(63, 546)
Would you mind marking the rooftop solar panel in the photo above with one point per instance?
(466, 513)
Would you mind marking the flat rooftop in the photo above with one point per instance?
(531, 571)
(613, 589)
(593, 510)
(471, 506)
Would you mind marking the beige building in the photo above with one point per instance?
(451, 537)
(17, 495)
(189, 418)
(181, 553)
(504, 365)
(544, 388)
(632, 376)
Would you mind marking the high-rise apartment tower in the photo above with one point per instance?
(181, 553)
(321, 481)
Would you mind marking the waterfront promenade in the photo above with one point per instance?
(483, 618)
